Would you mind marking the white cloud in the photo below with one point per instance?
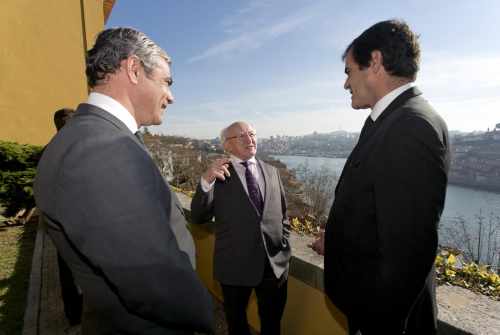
(249, 38)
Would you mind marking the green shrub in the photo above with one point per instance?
(18, 162)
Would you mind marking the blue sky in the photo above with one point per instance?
(277, 63)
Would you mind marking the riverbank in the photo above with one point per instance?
(469, 183)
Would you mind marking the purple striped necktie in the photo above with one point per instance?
(253, 188)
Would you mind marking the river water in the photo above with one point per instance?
(466, 203)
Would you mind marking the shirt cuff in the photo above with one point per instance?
(205, 186)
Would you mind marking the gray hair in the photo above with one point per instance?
(224, 131)
(116, 44)
(223, 135)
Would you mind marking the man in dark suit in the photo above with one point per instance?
(246, 197)
(381, 236)
(108, 210)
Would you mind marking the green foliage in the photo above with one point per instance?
(18, 162)
(478, 278)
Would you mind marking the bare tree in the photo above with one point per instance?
(492, 238)
(480, 219)
(478, 240)
(319, 186)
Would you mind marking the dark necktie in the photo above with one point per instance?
(253, 189)
(367, 128)
(138, 134)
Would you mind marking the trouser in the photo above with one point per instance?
(71, 296)
(271, 299)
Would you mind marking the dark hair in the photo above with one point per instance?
(61, 116)
(397, 43)
(116, 44)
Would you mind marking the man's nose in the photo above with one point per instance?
(247, 138)
(346, 85)
(170, 97)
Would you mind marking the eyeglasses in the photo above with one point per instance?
(240, 137)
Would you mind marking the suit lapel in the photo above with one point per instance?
(236, 185)
(239, 184)
(238, 181)
(267, 178)
(101, 113)
(393, 107)
(396, 103)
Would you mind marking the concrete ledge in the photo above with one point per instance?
(32, 312)
(44, 314)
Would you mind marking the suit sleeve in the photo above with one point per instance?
(202, 210)
(285, 220)
(118, 219)
(409, 188)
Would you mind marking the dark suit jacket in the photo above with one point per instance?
(243, 239)
(381, 236)
(121, 230)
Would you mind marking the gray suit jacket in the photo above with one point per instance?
(121, 230)
(243, 239)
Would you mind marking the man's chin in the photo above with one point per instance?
(357, 107)
(157, 120)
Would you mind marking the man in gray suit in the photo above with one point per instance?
(252, 251)
(111, 215)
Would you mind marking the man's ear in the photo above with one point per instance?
(377, 61)
(133, 68)
(226, 147)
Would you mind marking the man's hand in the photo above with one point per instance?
(319, 244)
(218, 169)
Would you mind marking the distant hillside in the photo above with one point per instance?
(475, 156)
(476, 160)
(337, 144)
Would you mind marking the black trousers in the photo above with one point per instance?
(72, 299)
(375, 327)
(271, 299)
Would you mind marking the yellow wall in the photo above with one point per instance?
(307, 311)
(42, 63)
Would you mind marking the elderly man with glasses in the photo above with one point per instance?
(246, 197)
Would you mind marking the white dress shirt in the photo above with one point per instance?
(382, 104)
(240, 170)
(114, 108)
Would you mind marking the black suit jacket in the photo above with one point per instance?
(381, 236)
(243, 239)
(121, 230)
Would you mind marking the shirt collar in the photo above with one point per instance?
(386, 100)
(114, 108)
(237, 161)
